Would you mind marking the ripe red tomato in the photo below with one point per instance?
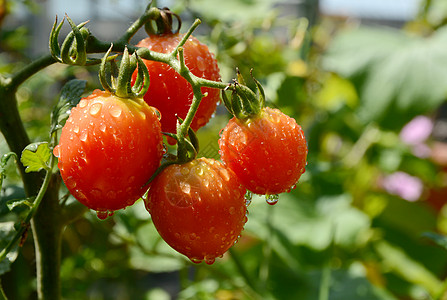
(108, 150)
(198, 208)
(170, 93)
(267, 152)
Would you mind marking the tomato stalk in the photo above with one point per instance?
(48, 216)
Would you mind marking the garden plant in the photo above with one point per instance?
(223, 150)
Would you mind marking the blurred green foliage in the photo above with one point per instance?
(339, 234)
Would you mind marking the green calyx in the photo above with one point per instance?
(74, 47)
(244, 103)
(121, 77)
(164, 22)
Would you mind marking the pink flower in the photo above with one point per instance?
(417, 130)
(403, 185)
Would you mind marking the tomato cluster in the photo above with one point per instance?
(111, 149)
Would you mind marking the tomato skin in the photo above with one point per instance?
(267, 152)
(198, 208)
(108, 150)
(170, 93)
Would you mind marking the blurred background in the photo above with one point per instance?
(367, 82)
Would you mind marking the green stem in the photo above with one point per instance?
(252, 286)
(241, 269)
(185, 38)
(47, 229)
(325, 283)
(2, 293)
(149, 14)
(264, 269)
(31, 69)
(30, 214)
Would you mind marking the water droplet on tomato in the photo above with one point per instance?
(76, 129)
(225, 174)
(57, 151)
(185, 187)
(206, 182)
(102, 215)
(201, 65)
(115, 111)
(248, 197)
(82, 103)
(196, 260)
(199, 171)
(83, 136)
(209, 260)
(232, 210)
(184, 171)
(272, 199)
(70, 182)
(158, 113)
(192, 236)
(95, 109)
(102, 127)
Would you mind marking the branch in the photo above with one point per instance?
(29, 70)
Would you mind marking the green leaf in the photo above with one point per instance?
(437, 12)
(397, 260)
(7, 233)
(3, 162)
(397, 75)
(313, 225)
(440, 240)
(36, 156)
(70, 97)
(13, 203)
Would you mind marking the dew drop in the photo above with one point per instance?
(184, 171)
(70, 182)
(83, 136)
(206, 182)
(57, 151)
(76, 129)
(201, 65)
(196, 260)
(102, 127)
(232, 210)
(209, 260)
(248, 197)
(272, 199)
(225, 174)
(158, 113)
(102, 215)
(95, 109)
(199, 171)
(115, 111)
(82, 103)
(185, 187)
(192, 236)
